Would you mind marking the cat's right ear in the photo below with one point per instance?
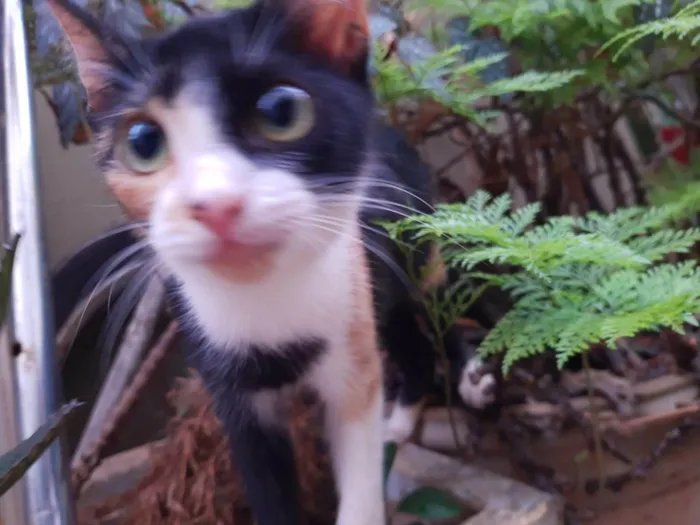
(85, 35)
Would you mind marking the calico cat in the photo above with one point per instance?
(247, 143)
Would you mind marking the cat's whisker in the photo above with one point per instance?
(368, 181)
(358, 198)
(113, 76)
(144, 242)
(383, 205)
(398, 271)
(345, 222)
(236, 34)
(131, 226)
(101, 275)
(316, 243)
(113, 263)
(119, 112)
(117, 317)
(378, 205)
(143, 59)
(363, 226)
(264, 35)
(377, 183)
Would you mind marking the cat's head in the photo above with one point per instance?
(239, 137)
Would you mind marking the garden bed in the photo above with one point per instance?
(186, 477)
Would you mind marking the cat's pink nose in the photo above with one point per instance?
(219, 216)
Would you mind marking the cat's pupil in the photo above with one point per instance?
(278, 107)
(145, 139)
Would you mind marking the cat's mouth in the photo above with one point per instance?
(242, 261)
(236, 253)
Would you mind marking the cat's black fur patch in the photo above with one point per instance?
(261, 450)
(255, 368)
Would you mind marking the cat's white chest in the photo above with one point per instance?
(290, 304)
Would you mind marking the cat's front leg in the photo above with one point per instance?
(263, 455)
(354, 398)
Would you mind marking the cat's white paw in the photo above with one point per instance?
(402, 423)
(477, 388)
(377, 517)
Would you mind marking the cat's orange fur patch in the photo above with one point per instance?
(338, 29)
(137, 193)
(365, 379)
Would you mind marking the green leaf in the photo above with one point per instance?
(16, 462)
(431, 503)
(6, 267)
(390, 450)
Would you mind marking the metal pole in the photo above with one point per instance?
(47, 491)
(12, 503)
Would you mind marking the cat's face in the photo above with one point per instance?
(239, 138)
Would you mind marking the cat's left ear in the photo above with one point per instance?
(337, 30)
(86, 38)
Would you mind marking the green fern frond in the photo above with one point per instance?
(573, 281)
(625, 223)
(527, 82)
(684, 24)
(445, 78)
(656, 245)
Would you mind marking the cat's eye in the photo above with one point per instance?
(284, 114)
(146, 147)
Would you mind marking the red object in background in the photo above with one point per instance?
(671, 134)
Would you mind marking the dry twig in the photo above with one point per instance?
(138, 335)
(87, 462)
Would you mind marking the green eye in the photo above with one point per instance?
(146, 147)
(284, 114)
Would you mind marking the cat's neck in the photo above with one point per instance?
(291, 303)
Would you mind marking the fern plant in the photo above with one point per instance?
(683, 25)
(446, 78)
(551, 37)
(573, 281)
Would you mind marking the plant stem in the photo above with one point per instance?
(597, 441)
(440, 348)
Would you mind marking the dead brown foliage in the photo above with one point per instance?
(191, 481)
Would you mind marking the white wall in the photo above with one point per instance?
(77, 205)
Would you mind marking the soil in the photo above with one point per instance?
(191, 480)
(680, 507)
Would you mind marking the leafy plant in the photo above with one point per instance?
(16, 462)
(557, 39)
(684, 24)
(431, 503)
(524, 87)
(443, 76)
(573, 281)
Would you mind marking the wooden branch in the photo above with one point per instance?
(136, 339)
(87, 463)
